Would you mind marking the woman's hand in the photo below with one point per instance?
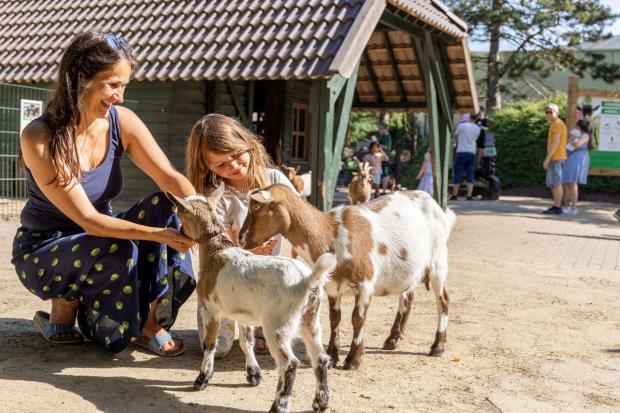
(264, 249)
(175, 239)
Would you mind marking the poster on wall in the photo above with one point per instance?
(604, 117)
(28, 110)
(609, 126)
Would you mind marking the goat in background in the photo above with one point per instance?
(360, 186)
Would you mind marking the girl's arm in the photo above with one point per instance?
(73, 201)
(421, 171)
(148, 156)
(583, 140)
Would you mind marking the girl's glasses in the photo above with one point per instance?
(116, 43)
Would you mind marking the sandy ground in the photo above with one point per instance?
(534, 326)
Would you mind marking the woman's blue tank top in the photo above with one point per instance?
(101, 185)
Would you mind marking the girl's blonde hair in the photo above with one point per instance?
(221, 135)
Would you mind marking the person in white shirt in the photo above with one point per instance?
(466, 134)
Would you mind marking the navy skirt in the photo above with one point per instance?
(114, 279)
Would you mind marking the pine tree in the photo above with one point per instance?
(542, 35)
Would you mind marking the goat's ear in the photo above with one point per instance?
(355, 173)
(214, 195)
(178, 202)
(261, 195)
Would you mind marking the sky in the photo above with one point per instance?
(615, 29)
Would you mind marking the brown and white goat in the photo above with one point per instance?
(302, 183)
(280, 294)
(386, 246)
(360, 186)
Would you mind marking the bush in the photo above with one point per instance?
(521, 139)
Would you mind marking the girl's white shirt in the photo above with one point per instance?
(233, 206)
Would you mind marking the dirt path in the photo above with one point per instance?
(535, 326)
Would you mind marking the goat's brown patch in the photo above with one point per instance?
(378, 204)
(427, 278)
(445, 299)
(359, 268)
(382, 249)
(403, 254)
(209, 271)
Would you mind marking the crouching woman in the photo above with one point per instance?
(122, 276)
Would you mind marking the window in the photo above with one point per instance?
(299, 133)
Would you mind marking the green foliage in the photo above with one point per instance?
(541, 36)
(521, 139)
(362, 125)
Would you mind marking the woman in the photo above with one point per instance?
(115, 273)
(575, 169)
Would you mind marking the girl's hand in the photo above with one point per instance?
(175, 239)
(264, 249)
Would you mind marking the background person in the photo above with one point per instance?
(575, 169)
(466, 134)
(71, 248)
(556, 155)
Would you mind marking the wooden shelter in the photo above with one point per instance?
(290, 69)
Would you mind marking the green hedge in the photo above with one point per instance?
(521, 138)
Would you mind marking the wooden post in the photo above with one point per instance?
(571, 105)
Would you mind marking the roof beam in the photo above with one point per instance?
(372, 76)
(399, 82)
(388, 105)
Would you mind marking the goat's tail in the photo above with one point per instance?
(322, 270)
(450, 220)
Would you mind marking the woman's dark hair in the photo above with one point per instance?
(585, 127)
(88, 54)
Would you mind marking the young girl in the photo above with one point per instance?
(220, 149)
(425, 175)
(375, 158)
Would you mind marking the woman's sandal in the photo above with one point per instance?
(57, 333)
(261, 348)
(156, 344)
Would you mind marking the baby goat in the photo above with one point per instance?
(302, 183)
(278, 293)
(386, 246)
(360, 186)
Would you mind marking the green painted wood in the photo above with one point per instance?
(238, 105)
(319, 106)
(434, 134)
(439, 76)
(343, 113)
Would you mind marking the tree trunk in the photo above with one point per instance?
(493, 99)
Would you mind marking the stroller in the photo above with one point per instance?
(486, 183)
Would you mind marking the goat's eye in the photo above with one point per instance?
(256, 206)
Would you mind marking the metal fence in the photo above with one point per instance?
(18, 105)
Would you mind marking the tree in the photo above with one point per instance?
(542, 35)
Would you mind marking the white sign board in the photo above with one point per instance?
(609, 139)
(29, 110)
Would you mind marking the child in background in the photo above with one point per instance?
(220, 149)
(375, 156)
(425, 175)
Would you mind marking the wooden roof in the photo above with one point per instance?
(240, 39)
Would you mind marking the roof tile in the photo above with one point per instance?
(192, 39)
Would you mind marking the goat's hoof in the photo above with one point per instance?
(436, 350)
(351, 363)
(390, 344)
(253, 376)
(201, 382)
(320, 405)
(277, 409)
